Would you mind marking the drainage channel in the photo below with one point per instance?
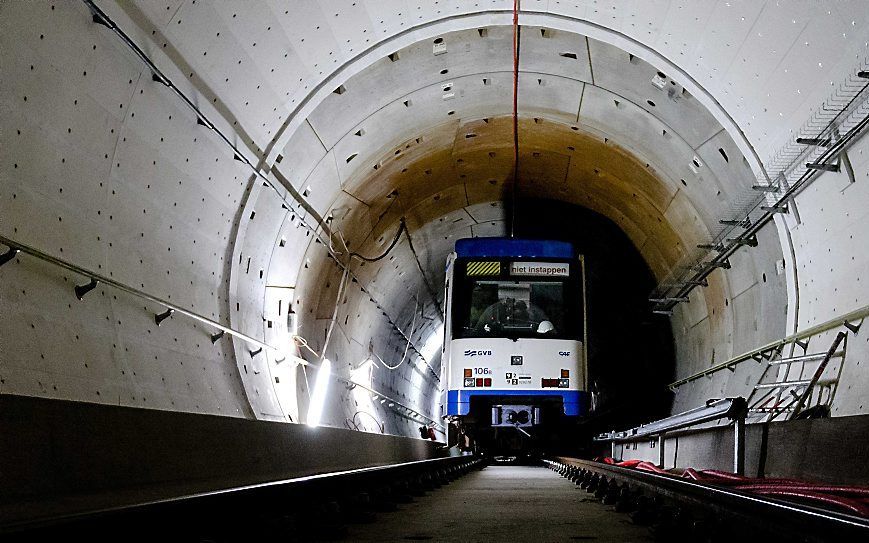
(681, 510)
(313, 508)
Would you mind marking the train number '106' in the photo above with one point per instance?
(482, 371)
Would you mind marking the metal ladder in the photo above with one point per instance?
(785, 390)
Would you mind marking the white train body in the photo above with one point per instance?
(515, 331)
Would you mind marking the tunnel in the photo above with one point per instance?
(224, 230)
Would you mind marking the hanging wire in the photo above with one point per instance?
(416, 312)
(516, 35)
(401, 229)
(380, 426)
(335, 311)
(303, 343)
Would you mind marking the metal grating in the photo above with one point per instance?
(816, 148)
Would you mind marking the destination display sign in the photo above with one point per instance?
(540, 269)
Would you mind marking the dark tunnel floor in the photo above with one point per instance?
(503, 503)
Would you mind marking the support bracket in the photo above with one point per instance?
(822, 167)
(8, 255)
(81, 290)
(216, 337)
(159, 79)
(775, 209)
(846, 164)
(819, 142)
(766, 188)
(751, 241)
(745, 223)
(703, 265)
(98, 19)
(160, 317)
(676, 299)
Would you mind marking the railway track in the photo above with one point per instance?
(682, 510)
(317, 507)
(591, 501)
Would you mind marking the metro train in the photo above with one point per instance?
(514, 353)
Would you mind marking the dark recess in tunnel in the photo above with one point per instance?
(630, 350)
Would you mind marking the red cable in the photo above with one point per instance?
(648, 466)
(515, 110)
(853, 506)
(761, 485)
(849, 498)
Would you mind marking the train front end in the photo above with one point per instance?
(514, 355)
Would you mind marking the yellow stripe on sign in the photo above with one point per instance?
(484, 268)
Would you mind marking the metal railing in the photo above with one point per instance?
(734, 409)
(767, 351)
(95, 279)
(793, 397)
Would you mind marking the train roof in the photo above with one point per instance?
(513, 247)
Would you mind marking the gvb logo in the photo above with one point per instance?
(470, 352)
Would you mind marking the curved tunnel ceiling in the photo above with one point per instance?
(599, 127)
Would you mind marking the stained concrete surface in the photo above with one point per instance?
(503, 503)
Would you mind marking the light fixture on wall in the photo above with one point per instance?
(318, 398)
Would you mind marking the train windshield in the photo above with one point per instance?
(504, 308)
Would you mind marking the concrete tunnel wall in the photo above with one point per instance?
(361, 116)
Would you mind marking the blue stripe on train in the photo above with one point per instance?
(459, 401)
(513, 248)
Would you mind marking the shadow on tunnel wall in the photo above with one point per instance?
(630, 350)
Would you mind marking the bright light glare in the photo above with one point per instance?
(362, 374)
(433, 343)
(318, 398)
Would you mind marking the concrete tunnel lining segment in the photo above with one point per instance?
(104, 168)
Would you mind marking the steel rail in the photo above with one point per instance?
(855, 315)
(280, 488)
(787, 516)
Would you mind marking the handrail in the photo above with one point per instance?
(32, 251)
(16, 246)
(843, 320)
(734, 409)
